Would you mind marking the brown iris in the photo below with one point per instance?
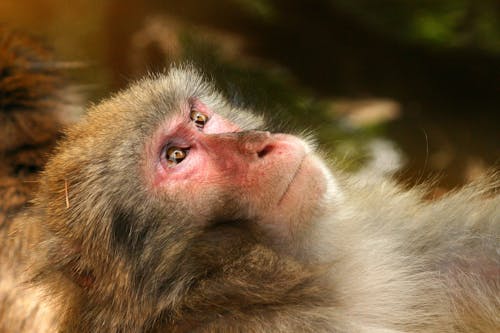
(199, 119)
(175, 155)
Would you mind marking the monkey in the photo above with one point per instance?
(166, 208)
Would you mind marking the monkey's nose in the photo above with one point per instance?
(256, 142)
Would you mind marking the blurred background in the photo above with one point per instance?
(404, 81)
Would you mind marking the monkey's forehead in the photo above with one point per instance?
(158, 97)
(163, 93)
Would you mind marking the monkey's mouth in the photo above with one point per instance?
(292, 179)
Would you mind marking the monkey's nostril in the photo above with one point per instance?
(263, 152)
(256, 143)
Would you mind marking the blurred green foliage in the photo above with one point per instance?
(445, 23)
(260, 8)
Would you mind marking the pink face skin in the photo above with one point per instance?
(274, 177)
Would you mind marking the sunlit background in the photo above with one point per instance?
(413, 81)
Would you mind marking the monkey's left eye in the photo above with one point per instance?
(199, 119)
(175, 155)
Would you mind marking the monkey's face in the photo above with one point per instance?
(203, 158)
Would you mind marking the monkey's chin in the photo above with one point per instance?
(306, 198)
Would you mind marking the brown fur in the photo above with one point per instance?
(112, 257)
(30, 121)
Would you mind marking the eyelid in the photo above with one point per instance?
(174, 142)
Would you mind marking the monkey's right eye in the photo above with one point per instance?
(199, 119)
(175, 155)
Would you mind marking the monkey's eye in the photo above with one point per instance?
(198, 118)
(175, 155)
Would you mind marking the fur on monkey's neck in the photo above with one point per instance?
(244, 280)
(258, 284)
